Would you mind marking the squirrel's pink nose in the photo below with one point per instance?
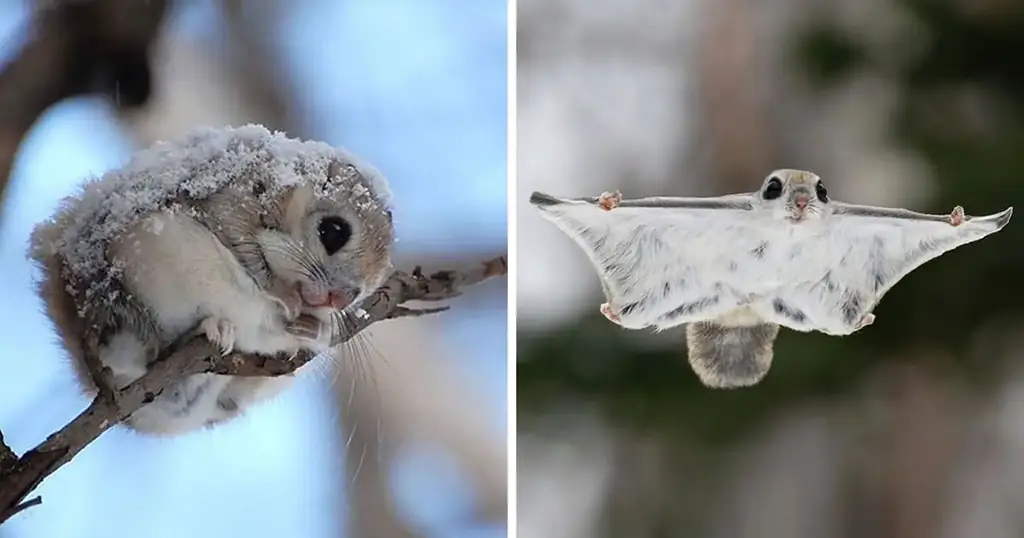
(800, 202)
(338, 301)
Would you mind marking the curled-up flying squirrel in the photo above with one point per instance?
(736, 267)
(264, 242)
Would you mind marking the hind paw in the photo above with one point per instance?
(612, 316)
(956, 218)
(609, 200)
(868, 319)
(221, 332)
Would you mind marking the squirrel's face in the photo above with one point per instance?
(794, 195)
(336, 246)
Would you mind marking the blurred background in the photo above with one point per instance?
(414, 447)
(912, 428)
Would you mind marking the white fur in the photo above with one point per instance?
(687, 251)
(183, 274)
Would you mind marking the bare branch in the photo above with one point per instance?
(73, 48)
(27, 504)
(194, 355)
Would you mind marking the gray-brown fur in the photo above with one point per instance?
(85, 330)
(730, 357)
(88, 301)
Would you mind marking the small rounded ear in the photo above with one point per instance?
(296, 205)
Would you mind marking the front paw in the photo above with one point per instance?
(609, 200)
(288, 299)
(957, 217)
(864, 321)
(611, 314)
(221, 332)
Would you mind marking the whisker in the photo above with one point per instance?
(366, 359)
(306, 259)
(358, 359)
(351, 434)
(308, 270)
(359, 466)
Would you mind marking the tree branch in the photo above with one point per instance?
(74, 48)
(195, 354)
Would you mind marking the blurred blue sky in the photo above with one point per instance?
(416, 87)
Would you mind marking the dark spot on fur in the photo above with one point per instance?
(596, 241)
(667, 289)
(830, 284)
(877, 256)
(786, 311)
(851, 309)
(878, 280)
(628, 309)
(229, 405)
(148, 398)
(759, 251)
(691, 308)
(733, 267)
(258, 188)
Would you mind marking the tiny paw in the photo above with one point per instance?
(606, 309)
(956, 218)
(221, 332)
(287, 298)
(609, 200)
(868, 319)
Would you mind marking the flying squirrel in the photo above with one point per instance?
(262, 241)
(736, 268)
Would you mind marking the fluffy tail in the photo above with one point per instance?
(726, 357)
(60, 306)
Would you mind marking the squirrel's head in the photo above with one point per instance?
(334, 240)
(794, 195)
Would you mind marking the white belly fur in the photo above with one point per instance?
(183, 274)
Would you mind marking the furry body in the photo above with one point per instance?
(217, 231)
(742, 260)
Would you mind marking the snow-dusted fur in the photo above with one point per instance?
(741, 260)
(219, 230)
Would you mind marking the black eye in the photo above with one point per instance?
(819, 189)
(773, 189)
(334, 234)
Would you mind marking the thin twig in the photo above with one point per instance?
(195, 355)
(26, 505)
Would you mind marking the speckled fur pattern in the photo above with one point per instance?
(665, 262)
(217, 253)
